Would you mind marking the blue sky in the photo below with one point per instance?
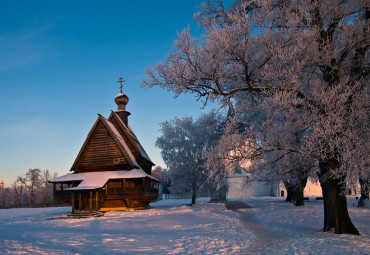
(59, 63)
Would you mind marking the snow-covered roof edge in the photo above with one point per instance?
(127, 130)
(95, 180)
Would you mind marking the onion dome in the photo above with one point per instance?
(121, 100)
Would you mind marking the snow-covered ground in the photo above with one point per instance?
(265, 226)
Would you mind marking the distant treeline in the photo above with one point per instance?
(30, 190)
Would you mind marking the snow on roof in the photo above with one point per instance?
(95, 180)
(121, 140)
(130, 130)
(142, 151)
(132, 137)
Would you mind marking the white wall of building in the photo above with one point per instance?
(237, 188)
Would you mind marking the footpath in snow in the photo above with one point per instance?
(250, 226)
(281, 228)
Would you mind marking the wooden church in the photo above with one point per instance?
(112, 171)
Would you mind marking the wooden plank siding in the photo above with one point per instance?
(145, 165)
(100, 153)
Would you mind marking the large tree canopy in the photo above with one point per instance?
(184, 143)
(308, 61)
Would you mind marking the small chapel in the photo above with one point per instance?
(112, 171)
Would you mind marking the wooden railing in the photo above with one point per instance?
(124, 191)
(114, 191)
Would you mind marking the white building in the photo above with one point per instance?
(237, 187)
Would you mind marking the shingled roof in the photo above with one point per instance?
(130, 135)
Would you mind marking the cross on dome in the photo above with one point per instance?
(121, 81)
(121, 99)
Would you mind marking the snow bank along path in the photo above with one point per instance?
(265, 226)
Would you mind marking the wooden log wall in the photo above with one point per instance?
(101, 153)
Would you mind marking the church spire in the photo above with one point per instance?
(121, 99)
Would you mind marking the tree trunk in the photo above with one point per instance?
(193, 194)
(290, 191)
(47, 194)
(299, 192)
(336, 215)
(364, 192)
(31, 197)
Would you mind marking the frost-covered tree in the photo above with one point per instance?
(279, 136)
(157, 172)
(270, 150)
(45, 190)
(18, 190)
(162, 175)
(308, 58)
(183, 145)
(32, 182)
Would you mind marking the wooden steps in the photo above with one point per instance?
(86, 214)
